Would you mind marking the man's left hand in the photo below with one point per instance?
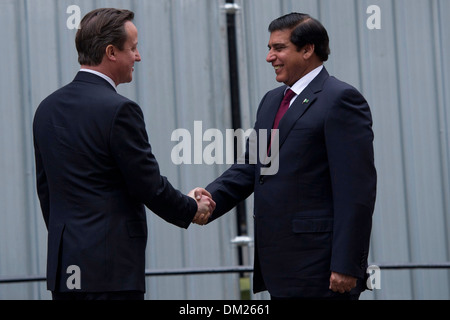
(342, 283)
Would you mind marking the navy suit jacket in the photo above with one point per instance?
(314, 215)
(95, 172)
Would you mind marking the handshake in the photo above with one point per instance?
(205, 203)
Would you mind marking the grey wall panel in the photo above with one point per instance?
(441, 12)
(419, 108)
(379, 83)
(17, 222)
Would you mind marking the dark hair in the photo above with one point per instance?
(305, 30)
(99, 29)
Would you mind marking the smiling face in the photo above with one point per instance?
(127, 57)
(290, 64)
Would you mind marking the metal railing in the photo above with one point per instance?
(233, 269)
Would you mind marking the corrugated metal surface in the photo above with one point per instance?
(401, 69)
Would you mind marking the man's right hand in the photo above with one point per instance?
(206, 205)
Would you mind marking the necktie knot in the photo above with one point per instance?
(283, 107)
(289, 95)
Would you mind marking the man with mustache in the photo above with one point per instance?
(313, 218)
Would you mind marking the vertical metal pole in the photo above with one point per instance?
(231, 9)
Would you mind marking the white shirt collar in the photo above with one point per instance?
(102, 75)
(301, 84)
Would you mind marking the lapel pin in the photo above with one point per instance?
(305, 101)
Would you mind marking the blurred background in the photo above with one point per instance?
(204, 60)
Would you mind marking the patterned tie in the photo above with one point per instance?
(283, 107)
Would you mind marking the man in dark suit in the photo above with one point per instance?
(96, 171)
(313, 217)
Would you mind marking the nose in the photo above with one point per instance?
(138, 56)
(270, 57)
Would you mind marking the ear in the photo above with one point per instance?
(111, 52)
(308, 51)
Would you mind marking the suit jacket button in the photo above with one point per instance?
(261, 180)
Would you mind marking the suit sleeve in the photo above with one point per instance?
(237, 183)
(42, 185)
(233, 186)
(349, 140)
(133, 154)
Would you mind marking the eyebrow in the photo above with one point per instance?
(277, 46)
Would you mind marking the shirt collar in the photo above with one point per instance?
(301, 84)
(102, 75)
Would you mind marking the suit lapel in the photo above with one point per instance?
(303, 102)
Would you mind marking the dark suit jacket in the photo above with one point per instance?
(315, 215)
(95, 172)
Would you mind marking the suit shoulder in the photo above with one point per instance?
(55, 94)
(119, 99)
(127, 108)
(104, 97)
(334, 84)
(95, 100)
(49, 101)
(338, 94)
